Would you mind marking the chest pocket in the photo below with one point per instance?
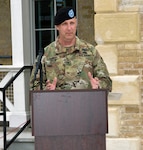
(69, 68)
(74, 67)
(54, 68)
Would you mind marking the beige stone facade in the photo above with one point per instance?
(119, 34)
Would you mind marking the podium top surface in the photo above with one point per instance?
(69, 112)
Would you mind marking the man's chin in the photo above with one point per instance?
(70, 36)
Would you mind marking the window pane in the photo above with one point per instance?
(44, 14)
(61, 3)
(43, 38)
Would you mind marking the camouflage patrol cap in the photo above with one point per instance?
(63, 14)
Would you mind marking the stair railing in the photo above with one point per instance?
(5, 143)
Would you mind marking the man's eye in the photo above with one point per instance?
(64, 23)
(72, 23)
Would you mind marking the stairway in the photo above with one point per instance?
(22, 144)
(25, 141)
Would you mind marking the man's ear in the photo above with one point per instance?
(76, 22)
(57, 27)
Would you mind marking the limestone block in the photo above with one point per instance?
(118, 27)
(105, 5)
(109, 54)
(128, 87)
(127, 8)
(123, 144)
(113, 121)
(131, 2)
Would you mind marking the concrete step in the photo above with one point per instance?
(22, 144)
(25, 141)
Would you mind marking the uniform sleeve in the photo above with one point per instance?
(35, 78)
(101, 72)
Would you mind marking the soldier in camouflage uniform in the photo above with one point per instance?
(69, 62)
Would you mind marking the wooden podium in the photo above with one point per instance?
(69, 119)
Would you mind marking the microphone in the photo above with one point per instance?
(39, 66)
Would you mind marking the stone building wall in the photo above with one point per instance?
(86, 20)
(119, 34)
(5, 33)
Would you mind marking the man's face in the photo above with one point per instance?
(67, 29)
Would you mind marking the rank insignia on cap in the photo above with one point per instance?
(71, 13)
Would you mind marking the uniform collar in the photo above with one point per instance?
(61, 49)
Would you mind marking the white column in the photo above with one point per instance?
(20, 30)
(20, 25)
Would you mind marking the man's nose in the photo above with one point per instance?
(69, 26)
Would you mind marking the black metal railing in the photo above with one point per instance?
(3, 89)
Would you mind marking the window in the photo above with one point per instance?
(45, 11)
